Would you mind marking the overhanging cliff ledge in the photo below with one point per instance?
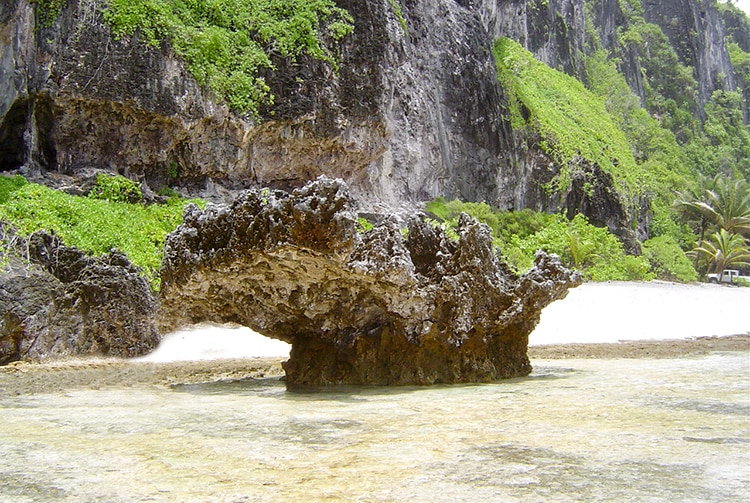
(370, 308)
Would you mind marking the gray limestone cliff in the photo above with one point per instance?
(695, 30)
(413, 113)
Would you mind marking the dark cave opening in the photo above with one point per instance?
(12, 129)
(26, 135)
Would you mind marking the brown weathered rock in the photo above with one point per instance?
(58, 301)
(358, 309)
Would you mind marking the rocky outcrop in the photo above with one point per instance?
(57, 301)
(415, 111)
(554, 30)
(696, 32)
(75, 98)
(372, 308)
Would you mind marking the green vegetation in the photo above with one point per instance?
(655, 148)
(116, 189)
(396, 6)
(363, 225)
(658, 151)
(572, 121)
(668, 260)
(47, 11)
(229, 44)
(712, 140)
(93, 224)
(720, 213)
(8, 185)
(594, 251)
(724, 147)
(722, 250)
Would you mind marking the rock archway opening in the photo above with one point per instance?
(215, 341)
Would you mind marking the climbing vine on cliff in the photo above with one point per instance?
(47, 11)
(227, 44)
(572, 121)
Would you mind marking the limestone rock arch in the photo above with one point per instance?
(371, 308)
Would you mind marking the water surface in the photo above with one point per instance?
(576, 430)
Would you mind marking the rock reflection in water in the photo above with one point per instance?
(593, 430)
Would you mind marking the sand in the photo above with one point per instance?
(626, 311)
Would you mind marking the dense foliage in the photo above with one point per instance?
(659, 148)
(668, 261)
(116, 189)
(571, 120)
(719, 211)
(593, 251)
(712, 136)
(227, 44)
(93, 224)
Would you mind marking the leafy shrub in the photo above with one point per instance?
(504, 224)
(668, 260)
(116, 188)
(10, 184)
(96, 225)
(228, 43)
(594, 251)
(519, 234)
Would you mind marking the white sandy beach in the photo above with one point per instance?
(619, 311)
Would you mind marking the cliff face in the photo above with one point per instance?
(57, 301)
(415, 112)
(554, 30)
(75, 98)
(695, 30)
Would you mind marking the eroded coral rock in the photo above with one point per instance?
(375, 308)
(57, 301)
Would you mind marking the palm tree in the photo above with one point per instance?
(723, 250)
(722, 205)
(694, 204)
(728, 206)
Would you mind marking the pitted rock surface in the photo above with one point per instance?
(58, 301)
(377, 308)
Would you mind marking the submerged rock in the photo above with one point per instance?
(57, 301)
(376, 308)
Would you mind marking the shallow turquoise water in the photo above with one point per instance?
(576, 430)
